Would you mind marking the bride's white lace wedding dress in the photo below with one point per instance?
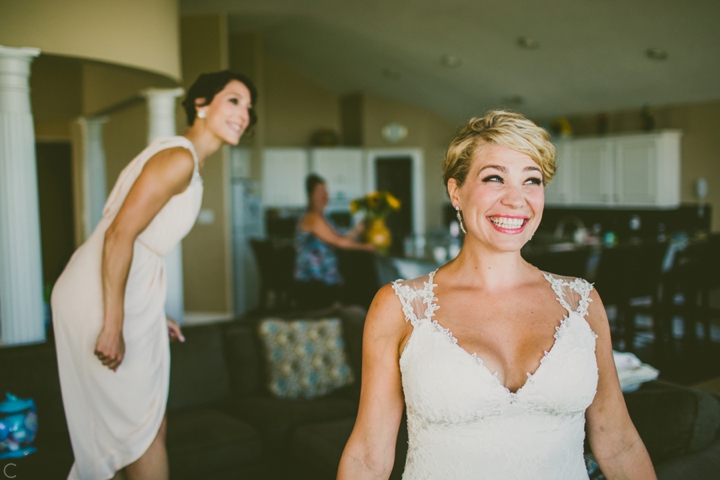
(464, 424)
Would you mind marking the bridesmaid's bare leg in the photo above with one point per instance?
(153, 465)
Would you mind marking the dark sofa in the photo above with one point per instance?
(223, 423)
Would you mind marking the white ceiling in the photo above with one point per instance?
(591, 56)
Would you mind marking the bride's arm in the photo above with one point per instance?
(614, 441)
(370, 451)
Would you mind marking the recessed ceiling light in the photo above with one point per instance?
(391, 74)
(656, 54)
(451, 61)
(528, 43)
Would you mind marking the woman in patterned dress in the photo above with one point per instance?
(316, 264)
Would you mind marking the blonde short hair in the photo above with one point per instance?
(508, 129)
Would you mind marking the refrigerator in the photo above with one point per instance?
(247, 223)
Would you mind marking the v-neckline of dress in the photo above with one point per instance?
(559, 329)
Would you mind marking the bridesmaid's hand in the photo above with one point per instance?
(110, 348)
(174, 330)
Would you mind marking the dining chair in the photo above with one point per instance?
(361, 277)
(276, 263)
(694, 274)
(626, 274)
(570, 263)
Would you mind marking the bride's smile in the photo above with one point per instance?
(502, 198)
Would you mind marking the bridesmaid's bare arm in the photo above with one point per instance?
(166, 174)
(320, 228)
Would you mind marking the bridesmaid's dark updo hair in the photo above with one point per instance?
(208, 85)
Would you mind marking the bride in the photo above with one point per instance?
(498, 364)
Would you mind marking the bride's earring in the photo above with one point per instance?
(459, 217)
(202, 114)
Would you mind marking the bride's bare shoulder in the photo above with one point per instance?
(386, 316)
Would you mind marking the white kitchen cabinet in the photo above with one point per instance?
(343, 169)
(283, 177)
(559, 190)
(641, 170)
(647, 170)
(592, 172)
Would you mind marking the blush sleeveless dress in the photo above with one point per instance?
(464, 424)
(113, 417)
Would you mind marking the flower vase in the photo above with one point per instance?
(378, 234)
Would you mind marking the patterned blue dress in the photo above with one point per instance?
(315, 260)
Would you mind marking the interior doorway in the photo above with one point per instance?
(55, 195)
(394, 174)
(400, 171)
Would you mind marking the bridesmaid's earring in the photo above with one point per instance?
(459, 217)
(202, 114)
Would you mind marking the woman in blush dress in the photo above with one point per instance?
(110, 326)
(499, 364)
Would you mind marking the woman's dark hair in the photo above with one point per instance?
(208, 85)
(312, 181)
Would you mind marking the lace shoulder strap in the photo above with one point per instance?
(574, 294)
(417, 298)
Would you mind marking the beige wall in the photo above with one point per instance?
(700, 124)
(137, 33)
(107, 86)
(63, 89)
(56, 89)
(425, 130)
(207, 255)
(246, 56)
(295, 107)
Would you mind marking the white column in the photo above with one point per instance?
(161, 123)
(161, 111)
(94, 186)
(21, 283)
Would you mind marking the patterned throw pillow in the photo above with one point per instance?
(305, 358)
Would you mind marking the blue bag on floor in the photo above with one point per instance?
(18, 425)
